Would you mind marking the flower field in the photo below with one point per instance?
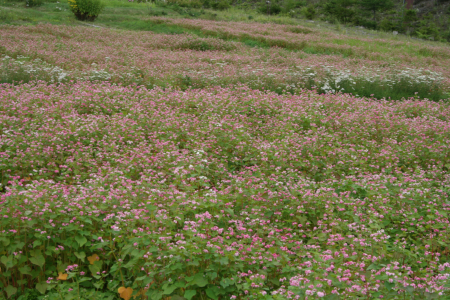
(137, 165)
(202, 58)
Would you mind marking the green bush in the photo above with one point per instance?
(33, 3)
(187, 3)
(387, 25)
(206, 3)
(428, 30)
(221, 5)
(293, 4)
(272, 9)
(410, 16)
(86, 10)
(340, 9)
(366, 23)
(309, 12)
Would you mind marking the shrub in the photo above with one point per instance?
(428, 30)
(198, 44)
(273, 9)
(340, 9)
(410, 16)
(187, 3)
(369, 24)
(33, 3)
(293, 4)
(387, 25)
(206, 3)
(309, 12)
(86, 10)
(221, 5)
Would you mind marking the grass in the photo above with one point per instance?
(132, 16)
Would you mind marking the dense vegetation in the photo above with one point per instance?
(425, 19)
(176, 151)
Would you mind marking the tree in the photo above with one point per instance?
(340, 9)
(376, 5)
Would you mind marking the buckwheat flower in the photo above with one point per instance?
(321, 294)
(82, 273)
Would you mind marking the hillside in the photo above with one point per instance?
(166, 151)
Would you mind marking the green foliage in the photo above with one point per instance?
(290, 5)
(187, 3)
(365, 22)
(20, 70)
(309, 12)
(375, 5)
(342, 10)
(270, 9)
(387, 25)
(204, 45)
(397, 88)
(410, 16)
(220, 4)
(33, 3)
(86, 10)
(428, 29)
(446, 35)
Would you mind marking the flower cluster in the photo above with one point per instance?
(222, 59)
(224, 192)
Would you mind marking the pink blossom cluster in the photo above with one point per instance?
(83, 53)
(286, 195)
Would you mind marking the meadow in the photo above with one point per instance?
(181, 158)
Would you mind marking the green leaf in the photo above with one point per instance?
(188, 294)
(98, 285)
(154, 295)
(5, 241)
(95, 268)
(7, 261)
(42, 287)
(81, 240)
(389, 285)
(213, 292)
(431, 295)
(84, 279)
(176, 297)
(223, 260)
(226, 282)
(80, 255)
(409, 290)
(322, 237)
(199, 280)
(38, 260)
(169, 290)
(10, 290)
(36, 243)
(25, 270)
